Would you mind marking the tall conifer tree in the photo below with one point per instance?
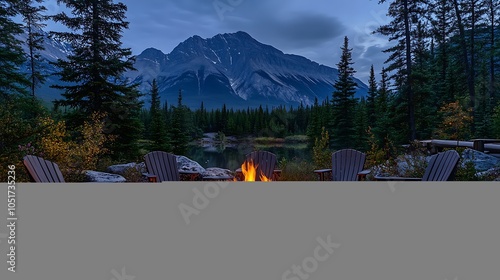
(343, 101)
(31, 11)
(159, 135)
(93, 73)
(12, 81)
(405, 14)
(372, 96)
(179, 127)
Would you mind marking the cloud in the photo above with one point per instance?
(314, 29)
(372, 55)
(299, 30)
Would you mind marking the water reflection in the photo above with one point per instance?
(232, 157)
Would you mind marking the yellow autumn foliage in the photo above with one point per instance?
(74, 156)
(456, 122)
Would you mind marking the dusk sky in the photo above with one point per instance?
(314, 29)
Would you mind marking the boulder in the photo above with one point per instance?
(482, 162)
(491, 174)
(186, 164)
(122, 168)
(102, 177)
(407, 163)
(217, 172)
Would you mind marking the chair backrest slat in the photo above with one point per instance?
(442, 166)
(346, 164)
(163, 165)
(265, 161)
(43, 171)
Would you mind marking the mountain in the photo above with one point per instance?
(53, 50)
(233, 68)
(237, 70)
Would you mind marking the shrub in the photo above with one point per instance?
(133, 174)
(456, 122)
(322, 155)
(18, 127)
(415, 160)
(296, 170)
(466, 172)
(91, 147)
(377, 155)
(74, 156)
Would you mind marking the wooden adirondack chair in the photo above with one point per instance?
(161, 166)
(266, 164)
(43, 171)
(347, 165)
(441, 167)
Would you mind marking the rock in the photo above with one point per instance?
(403, 163)
(122, 168)
(101, 177)
(482, 162)
(217, 172)
(492, 174)
(186, 164)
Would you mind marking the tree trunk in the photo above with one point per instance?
(492, 54)
(468, 72)
(409, 86)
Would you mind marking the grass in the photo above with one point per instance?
(288, 139)
(297, 170)
(297, 138)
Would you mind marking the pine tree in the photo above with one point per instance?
(382, 129)
(314, 126)
(223, 119)
(361, 125)
(494, 20)
(425, 99)
(12, 81)
(159, 135)
(93, 73)
(405, 14)
(18, 111)
(442, 27)
(372, 96)
(343, 101)
(179, 129)
(468, 14)
(33, 23)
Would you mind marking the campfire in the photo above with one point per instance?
(249, 170)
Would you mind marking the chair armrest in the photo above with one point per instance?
(322, 170)
(362, 174)
(151, 177)
(321, 173)
(382, 178)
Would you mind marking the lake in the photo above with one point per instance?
(232, 157)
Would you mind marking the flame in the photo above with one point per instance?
(249, 171)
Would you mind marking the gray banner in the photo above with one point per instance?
(239, 231)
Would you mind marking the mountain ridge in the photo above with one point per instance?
(237, 68)
(231, 68)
